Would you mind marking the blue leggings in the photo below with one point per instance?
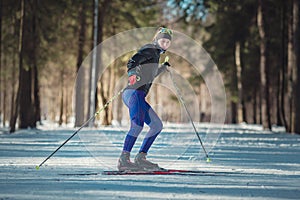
(140, 112)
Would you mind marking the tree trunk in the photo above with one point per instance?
(255, 107)
(79, 101)
(118, 111)
(29, 104)
(61, 110)
(27, 62)
(37, 106)
(93, 67)
(106, 87)
(13, 107)
(241, 113)
(35, 82)
(27, 117)
(290, 67)
(104, 100)
(102, 12)
(14, 101)
(15, 112)
(111, 87)
(281, 119)
(234, 97)
(112, 79)
(4, 92)
(1, 57)
(265, 106)
(67, 113)
(296, 14)
(233, 112)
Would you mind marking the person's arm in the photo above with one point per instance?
(163, 68)
(135, 61)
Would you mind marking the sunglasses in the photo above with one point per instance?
(166, 30)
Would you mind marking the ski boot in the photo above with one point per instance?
(141, 161)
(124, 163)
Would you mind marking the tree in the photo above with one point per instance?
(103, 10)
(15, 111)
(281, 115)
(79, 101)
(264, 78)
(27, 65)
(296, 14)
(28, 92)
(290, 65)
(0, 53)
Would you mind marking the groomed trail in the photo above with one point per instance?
(246, 163)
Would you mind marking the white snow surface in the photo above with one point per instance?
(247, 163)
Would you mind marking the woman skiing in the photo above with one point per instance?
(143, 67)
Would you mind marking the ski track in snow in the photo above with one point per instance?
(247, 163)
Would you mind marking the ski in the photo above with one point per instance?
(160, 172)
(81, 174)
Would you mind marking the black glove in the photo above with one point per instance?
(166, 64)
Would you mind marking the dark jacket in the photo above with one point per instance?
(145, 65)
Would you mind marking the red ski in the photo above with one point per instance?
(161, 172)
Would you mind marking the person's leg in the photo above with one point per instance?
(155, 124)
(134, 101)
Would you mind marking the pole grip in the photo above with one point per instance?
(167, 59)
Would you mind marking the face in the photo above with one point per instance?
(164, 43)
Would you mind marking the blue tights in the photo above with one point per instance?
(140, 112)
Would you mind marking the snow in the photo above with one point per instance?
(247, 163)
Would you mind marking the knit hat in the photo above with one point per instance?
(164, 33)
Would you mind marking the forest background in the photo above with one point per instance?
(254, 43)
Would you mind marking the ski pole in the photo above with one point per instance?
(188, 113)
(84, 124)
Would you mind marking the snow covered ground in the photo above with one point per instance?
(247, 163)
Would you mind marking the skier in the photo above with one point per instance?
(143, 67)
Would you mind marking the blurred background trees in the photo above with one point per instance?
(255, 44)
